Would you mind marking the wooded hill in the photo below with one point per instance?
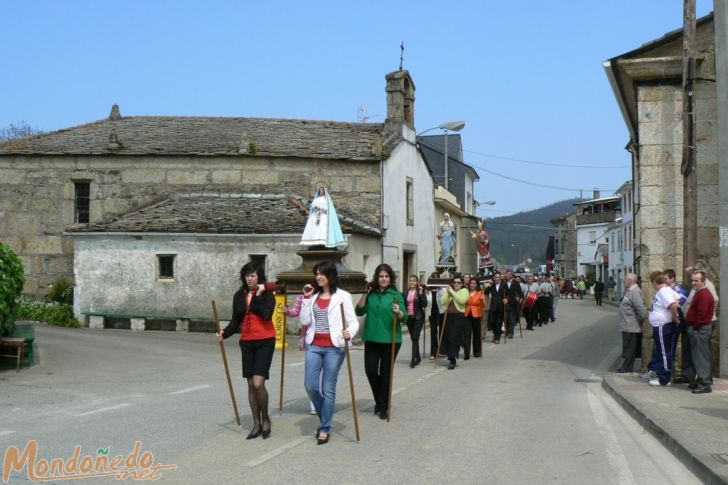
(528, 231)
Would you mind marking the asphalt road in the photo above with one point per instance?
(531, 411)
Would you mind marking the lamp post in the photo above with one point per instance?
(513, 245)
(446, 127)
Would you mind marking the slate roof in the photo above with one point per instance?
(222, 214)
(207, 136)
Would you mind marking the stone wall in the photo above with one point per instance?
(118, 273)
(659, 220)
(37, 194)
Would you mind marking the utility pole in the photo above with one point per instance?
(688, 165)
(721, 76)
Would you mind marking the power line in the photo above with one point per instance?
(554, 187)
(550, 164)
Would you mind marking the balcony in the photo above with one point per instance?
(600, 218)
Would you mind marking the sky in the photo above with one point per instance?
(526, 76)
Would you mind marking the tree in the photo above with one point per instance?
(11, 285)
(21, 129)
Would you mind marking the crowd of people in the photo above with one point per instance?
(461, 314)
(675, 315)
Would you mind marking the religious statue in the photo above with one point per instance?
(322, 227)
(482, 244)
(447, 239)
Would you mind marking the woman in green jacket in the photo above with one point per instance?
(380, 306)
(454, 300)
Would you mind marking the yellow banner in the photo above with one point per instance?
(279, 320)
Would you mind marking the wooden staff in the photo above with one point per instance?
(518, 314)
(351, 377)
(505, 322)
(224, 360)
(439, 339)
(283, 355)
(391, 363)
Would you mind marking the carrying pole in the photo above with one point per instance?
(224, 361)
(391, 364)
(351, 378)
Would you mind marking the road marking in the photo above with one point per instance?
(5, 433)
(108, 408)
(190, 389)
(615, 455)
(272, 454)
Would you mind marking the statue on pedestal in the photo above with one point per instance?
(447, 238)
(482, 244)
(322, 227)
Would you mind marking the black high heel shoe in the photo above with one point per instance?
(266, 432)
(254, 434)
(323, 441)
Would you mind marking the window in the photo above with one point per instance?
(260, 259)
(410, 202)
(82, 202)
(165, 266)
(592, 237)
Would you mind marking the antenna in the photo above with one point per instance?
(401, 55)
(362, 114)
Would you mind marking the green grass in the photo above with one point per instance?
(47, 312)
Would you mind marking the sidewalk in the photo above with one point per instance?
(694, 427)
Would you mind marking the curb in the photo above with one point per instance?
(699, 468)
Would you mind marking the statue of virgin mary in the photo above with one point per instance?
(322, 227)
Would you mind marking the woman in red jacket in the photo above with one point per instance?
(252, 317)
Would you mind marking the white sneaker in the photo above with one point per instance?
(649, 375)
(656, 382)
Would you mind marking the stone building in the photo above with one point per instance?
(57, 182)
(647, 86)
(565, 245)
(165, 262)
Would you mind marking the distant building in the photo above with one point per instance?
(565, 246)
(620, 237)
(593, 217)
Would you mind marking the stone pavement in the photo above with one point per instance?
(694, 427)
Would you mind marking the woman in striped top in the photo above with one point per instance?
(321, 315)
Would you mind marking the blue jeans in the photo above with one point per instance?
(326, 361)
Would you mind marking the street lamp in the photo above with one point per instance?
(485, 202)
(446, 127)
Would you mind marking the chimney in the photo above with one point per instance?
(597, 194)
(115, 114)
(400, 101)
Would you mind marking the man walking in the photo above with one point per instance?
(512, 298)
(631, 313)
(598, 292)
(496, 293)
